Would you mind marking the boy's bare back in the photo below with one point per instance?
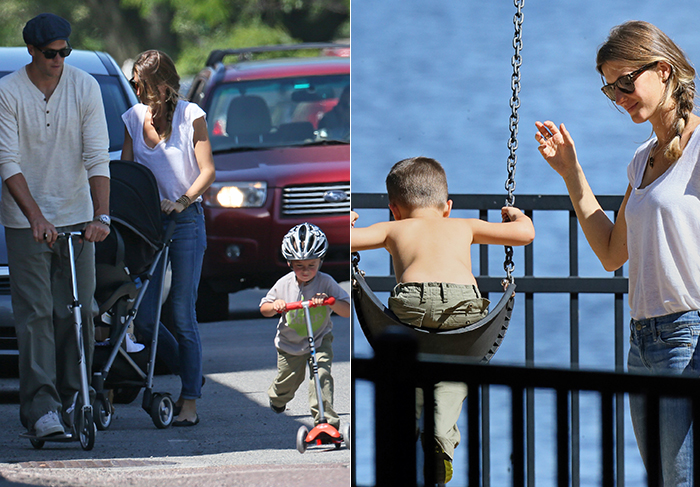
(427, 246)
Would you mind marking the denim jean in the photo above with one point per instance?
(182, 352)
(667, 345)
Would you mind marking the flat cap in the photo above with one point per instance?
(44, 29)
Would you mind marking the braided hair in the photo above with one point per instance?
(638, 43)
(155, 69)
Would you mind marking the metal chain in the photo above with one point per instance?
(516, 61)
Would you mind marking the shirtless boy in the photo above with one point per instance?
(432, 263)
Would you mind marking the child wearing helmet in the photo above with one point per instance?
(304, 247)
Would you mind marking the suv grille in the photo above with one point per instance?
(318, 199)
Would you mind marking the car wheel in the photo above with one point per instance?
(211, 305)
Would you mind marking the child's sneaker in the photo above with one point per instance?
(443, 467)
(48, 424)
(277, 409)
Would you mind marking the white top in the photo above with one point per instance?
(172, 161)
(291, 334)
(663, 235)
(57, 145)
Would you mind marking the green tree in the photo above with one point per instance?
(186, 29)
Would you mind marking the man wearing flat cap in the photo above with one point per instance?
(54, 166)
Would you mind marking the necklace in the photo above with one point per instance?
(652, 154)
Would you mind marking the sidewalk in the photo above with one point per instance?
(239, 441)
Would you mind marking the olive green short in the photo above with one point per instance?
(437, 305)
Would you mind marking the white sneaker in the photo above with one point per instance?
(48, 424)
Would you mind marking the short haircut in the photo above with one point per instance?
(418, 182)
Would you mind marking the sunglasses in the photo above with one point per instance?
(625, 83)
(133, 84)
(51, 53)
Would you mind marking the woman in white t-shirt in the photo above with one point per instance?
(170, 137)
(658, 229)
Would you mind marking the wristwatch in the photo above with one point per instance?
(105, 219)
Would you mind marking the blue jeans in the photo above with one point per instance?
(182, 352)
(667, 345)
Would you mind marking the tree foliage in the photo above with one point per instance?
(186, 29)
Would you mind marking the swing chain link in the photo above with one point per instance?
(516, 62)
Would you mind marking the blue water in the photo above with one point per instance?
(433, 78)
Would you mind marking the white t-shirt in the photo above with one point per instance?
(291, 334)
(663, 235)
(56, 144)
(172, 161)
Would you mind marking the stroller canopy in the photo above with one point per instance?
(134, 200)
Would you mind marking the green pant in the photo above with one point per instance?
(449, 397)
(41, 294)
(439, 305)
(291, 371)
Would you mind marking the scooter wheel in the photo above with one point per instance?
(104, 412)
(37, 444)
(301, 438)
(346, 434)
(162, 410)
(86, 430)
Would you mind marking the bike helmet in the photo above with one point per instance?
(303, 242)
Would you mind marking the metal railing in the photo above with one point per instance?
(402, 370)
(529, 285)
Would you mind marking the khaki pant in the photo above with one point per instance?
(438, 305)
(41, 295)
(443, 306)
(291, 371)
(449, 397)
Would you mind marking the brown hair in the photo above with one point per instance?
(418, 182)
(155, 69)
(639, 43)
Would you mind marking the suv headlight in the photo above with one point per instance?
(236, 194)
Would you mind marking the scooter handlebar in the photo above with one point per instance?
(300, 304)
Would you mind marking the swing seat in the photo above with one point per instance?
(479, 340)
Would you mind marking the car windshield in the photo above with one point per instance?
(280, 112)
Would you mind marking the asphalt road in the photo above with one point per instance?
(238, 442)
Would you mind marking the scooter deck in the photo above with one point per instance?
(62, 437)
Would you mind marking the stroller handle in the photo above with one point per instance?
(300, 304)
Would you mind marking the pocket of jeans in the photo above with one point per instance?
(679, 336)
(407, 314)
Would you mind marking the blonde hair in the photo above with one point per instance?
(418, 182)
(638, 43)
(155, 69)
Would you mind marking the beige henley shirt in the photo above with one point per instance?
(57, 144)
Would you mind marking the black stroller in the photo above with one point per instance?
(125, 264)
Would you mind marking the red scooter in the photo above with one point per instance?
(323, 433)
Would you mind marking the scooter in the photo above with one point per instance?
(323, 433)
(83, 428)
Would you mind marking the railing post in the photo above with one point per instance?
(394, 410)
(607, 422)
(518, 436)
(563, 471)
(653, 453)
(474, 437)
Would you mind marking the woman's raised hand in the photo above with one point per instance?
(557, 147)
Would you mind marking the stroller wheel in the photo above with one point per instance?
(104, 412)
(86, 429)
(301, 438)
(162, 410)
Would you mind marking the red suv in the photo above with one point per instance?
(280, 134)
